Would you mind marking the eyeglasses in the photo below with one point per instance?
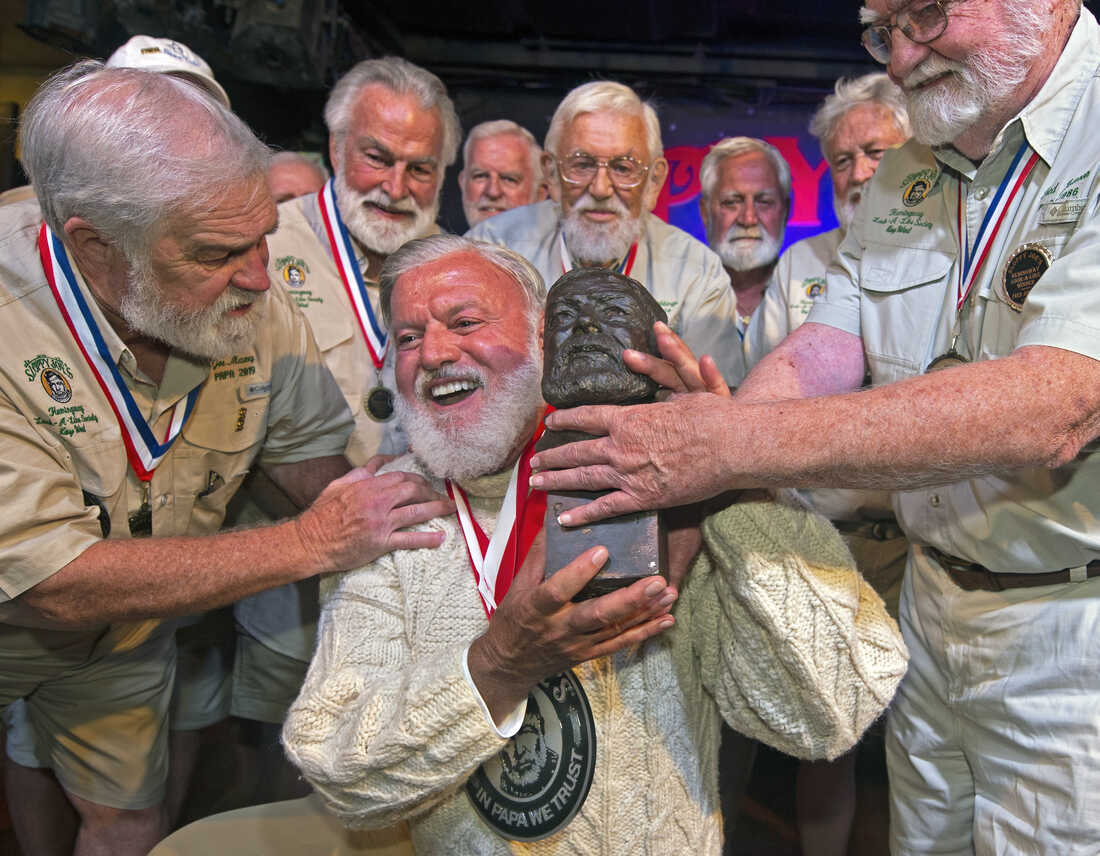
(923, 24)
(581, 168)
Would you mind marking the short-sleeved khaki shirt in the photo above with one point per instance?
(63, 465)
(895, 283)
(301, 260)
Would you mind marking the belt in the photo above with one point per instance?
(879, 530)
(970, 576)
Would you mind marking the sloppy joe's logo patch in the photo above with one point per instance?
(53, 373)
(535, 785)
(814, 287)
(56, 386)
(293, 270)
(1022, 270)
(915, 191)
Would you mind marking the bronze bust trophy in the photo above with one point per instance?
(592, 315)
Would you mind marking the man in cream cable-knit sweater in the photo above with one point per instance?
(413, 692)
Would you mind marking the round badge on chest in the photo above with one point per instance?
(535, 785)
(1022, 270)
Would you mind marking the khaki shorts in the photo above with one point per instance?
(94, 710)
(204, 651)
(222, 669)
(265, 682)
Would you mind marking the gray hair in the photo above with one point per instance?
(423, 251)
(497, 128)
(297, 159)
(849, 92)
(403, 78)
(125, 149)
(604, 95)
(735, 146)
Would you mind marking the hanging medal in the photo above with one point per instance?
(143, 450)
(974, 258)
(534, 786)
(378, 402)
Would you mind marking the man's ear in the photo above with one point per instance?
(657, 175)
(553, 180)
(99, 260)
(541, 328)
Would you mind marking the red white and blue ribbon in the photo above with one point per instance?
(142, 447)
(343, 253)
(973, 259)
(624, 267)
(495, 560)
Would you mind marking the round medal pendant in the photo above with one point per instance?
(947, 360)
(535, 785)
(1022, 271)
(379, 404)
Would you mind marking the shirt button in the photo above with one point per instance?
(981, 193)
(934, 500)
(162, 500)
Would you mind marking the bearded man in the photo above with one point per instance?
(605, 166)
(967, 284)
(745, 200)
(428, 664)
(139, 281)
(392, 133)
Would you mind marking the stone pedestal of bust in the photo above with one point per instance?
(592, 315)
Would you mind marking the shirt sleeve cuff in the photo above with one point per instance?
(512, 721)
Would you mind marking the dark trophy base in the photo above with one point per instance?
(637, 543)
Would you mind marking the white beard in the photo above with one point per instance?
(748, 255)
(373, 230)
(845, 209)
(597, 244)
(466, 451)
(206, 333)
(987, 78)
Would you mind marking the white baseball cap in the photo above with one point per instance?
(167, 57)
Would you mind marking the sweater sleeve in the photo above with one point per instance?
(383, 732)
(793, 644)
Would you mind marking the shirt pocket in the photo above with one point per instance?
(902, 296)
(218, 447)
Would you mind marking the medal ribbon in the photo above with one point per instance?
(624, 267)
(495, 560)
(142, 448)
(1017, 174)
(343, 253)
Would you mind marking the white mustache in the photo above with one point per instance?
(933, 67)
(377, 196)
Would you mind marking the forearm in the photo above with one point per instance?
(1035, 408)
(117, 580)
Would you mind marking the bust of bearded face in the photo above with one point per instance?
(592, 315)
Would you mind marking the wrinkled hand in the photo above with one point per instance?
(649, 455)
(679, 371)
(537, 631)
(362, 516)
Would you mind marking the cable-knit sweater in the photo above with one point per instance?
(775, 632)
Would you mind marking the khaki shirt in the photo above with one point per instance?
(797, 282)
(65, 473)
(895, 284)
(683, 274)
